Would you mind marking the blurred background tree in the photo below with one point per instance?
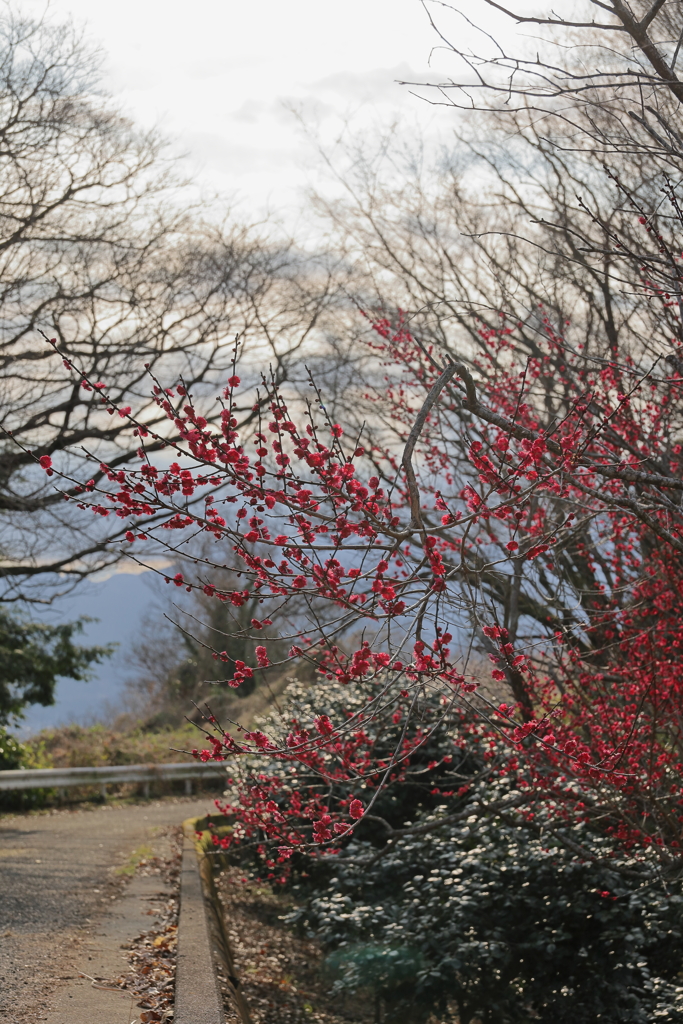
(105, 248)
(173, 669)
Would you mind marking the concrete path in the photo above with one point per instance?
(60, 901)
(90, 999)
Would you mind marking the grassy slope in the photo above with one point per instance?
(78, 746)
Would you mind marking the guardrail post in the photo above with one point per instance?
(103, 790)
(188, 787)
(145, 790)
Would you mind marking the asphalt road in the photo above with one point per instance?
(57, 876)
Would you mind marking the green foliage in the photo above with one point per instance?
(392, 974)
(32, 656)
(14, 754)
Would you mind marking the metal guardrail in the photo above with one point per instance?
(61, 778)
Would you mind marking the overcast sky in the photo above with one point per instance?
(217, 75)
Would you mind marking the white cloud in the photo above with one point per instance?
(127, 567)
(372, 86)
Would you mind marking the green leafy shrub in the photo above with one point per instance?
(500, 925)
(391, 972)
(16, 755)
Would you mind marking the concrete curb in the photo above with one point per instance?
(203, 944)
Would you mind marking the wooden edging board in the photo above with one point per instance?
(202, 940)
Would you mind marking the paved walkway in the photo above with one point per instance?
(56, 882)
